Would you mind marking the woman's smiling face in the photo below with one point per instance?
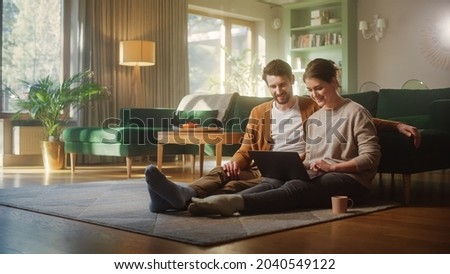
(320, 91)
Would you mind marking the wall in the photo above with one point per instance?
(270, 41)
(397, 57)
(400, 54)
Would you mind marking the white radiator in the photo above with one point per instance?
(27, 140)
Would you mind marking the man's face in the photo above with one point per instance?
(280, 87)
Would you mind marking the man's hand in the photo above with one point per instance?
(410, 131)
(231, 170)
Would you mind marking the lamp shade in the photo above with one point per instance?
(137, 53)
(363, 25)
(381, 23)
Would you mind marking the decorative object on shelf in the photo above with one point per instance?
(333, 20)
(318, 18)
(377, 28)
(137, 53)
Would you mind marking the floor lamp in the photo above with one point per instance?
(137, 53)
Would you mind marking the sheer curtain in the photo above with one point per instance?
(97, 27)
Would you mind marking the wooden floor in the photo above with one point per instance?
(421, 227)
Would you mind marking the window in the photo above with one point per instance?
(31, 44)
(221, 55)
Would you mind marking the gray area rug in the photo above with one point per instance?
(124, 205)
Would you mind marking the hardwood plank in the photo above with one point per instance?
(421, 227)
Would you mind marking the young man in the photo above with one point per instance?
(275, 125)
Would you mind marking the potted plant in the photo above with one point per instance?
(48, 101)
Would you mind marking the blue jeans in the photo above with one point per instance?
(272, 195)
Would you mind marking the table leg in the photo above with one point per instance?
(192, 161)
(73, 160)
(219, 154)
(201, 153)
(129, 161)
(159, 156)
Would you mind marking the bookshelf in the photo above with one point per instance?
(322, 29)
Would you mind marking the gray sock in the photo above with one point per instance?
(175, 194)
(157, 203)
(225, 205)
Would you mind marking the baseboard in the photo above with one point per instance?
(21, 160)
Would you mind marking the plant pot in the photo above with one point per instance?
(53, 155)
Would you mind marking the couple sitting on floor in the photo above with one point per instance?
(332, 134)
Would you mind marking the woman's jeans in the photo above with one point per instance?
(272, 195)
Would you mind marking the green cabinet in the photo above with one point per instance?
(322, 29)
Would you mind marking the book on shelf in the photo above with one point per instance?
(315, 40)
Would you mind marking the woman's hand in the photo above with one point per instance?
(321, 165)
(348, 166)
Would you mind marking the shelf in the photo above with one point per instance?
(316, 48)
(318, 27)
(334, 41)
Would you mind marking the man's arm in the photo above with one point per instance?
(387, 125)
(410, 131)
(241, 159)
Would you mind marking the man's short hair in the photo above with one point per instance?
(277, 67)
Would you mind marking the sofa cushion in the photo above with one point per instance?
(368, 99)
(86, 134)
(238, 117)
(408, 102)
(120, 135)
(440, 115)
(220, 102)
(144, 117)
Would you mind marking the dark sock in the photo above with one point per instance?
(157, 203)
(175, 194)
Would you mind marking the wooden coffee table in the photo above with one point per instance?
(200, 137)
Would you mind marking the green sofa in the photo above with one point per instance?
(135, 132)
(429, 111)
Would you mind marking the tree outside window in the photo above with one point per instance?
(31, 44)
(221, 55)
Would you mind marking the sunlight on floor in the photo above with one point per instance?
(36, 175)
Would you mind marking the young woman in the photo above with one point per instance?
(341, 141)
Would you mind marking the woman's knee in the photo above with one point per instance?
(272, 183)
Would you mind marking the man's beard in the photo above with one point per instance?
(284, 99)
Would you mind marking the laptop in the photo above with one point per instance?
(282, 165)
